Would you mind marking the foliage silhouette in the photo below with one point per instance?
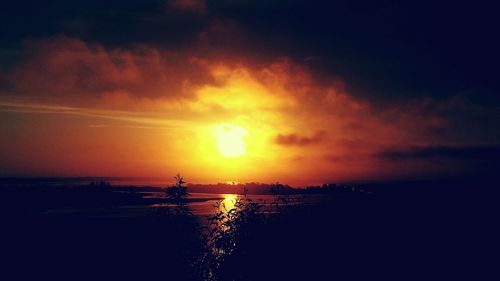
(178, 194)
(229, 229)
(400, 232)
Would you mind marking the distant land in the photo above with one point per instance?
(160, 184)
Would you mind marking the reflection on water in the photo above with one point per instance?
(228, 202)
(201, 205)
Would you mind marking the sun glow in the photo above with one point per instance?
(229, 140)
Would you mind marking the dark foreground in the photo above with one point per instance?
(417, 231)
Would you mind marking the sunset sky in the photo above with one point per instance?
(292, 91)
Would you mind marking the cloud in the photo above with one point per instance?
(299, 140)
(401, 64)
(151, 120)
(72, 72)
(288, 111)
(196, 6)
(474, 152)
(69, 67)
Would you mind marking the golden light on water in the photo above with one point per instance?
(229, 140)
(228, 202)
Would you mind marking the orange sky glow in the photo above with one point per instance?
(84, 110)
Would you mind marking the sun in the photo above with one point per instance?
(229, 140)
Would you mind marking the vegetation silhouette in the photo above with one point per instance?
(229, 229)
(399, 231)
(178, 194)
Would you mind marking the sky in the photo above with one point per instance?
(298, 92)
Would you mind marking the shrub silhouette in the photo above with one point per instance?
(229, 231)
(281, 196)
(394, 234)
(178, 194)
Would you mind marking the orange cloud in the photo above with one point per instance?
(295, 139)
(71, 68)
(296, 125)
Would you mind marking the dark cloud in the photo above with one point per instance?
(382, 50)
(339, 158)
(483, 153)
(194, 6)
(300, 140)
(112, 23)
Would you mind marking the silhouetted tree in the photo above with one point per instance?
(229, 238)
(178, 194)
